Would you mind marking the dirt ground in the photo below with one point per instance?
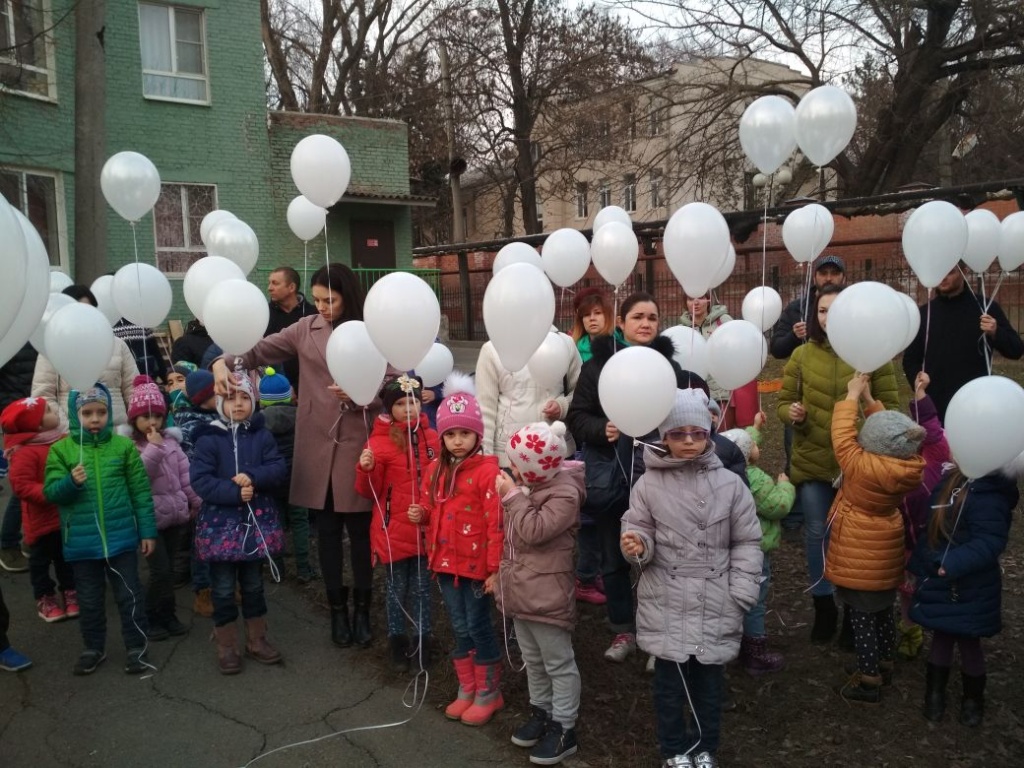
(793, 718)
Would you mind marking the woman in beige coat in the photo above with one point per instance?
(330, 431)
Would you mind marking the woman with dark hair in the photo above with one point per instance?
(592, 317)
(330, 431)
(814, 380)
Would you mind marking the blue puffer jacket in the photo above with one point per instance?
(114, 509)
(967, 600)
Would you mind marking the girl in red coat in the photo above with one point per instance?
(31, 426)
(462, 509)
(390, 471)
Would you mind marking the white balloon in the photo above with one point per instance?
(13, 260)
(436, 365)
(1011, 242)
(59, 280)
(54, 302)
(934, 239)
(355, 363)
(79, 342)
(985, 424)
(131, 184)
(142, 294)
(611, 213)
(737, 352)
(691, 349)
(550, 363)
(637, 389)
(983, 232)
(614, 251)
(306, 219)
(913, 319)
(867, 325)
(807, 231)
(236, 314)
(762, 307)
(234, 239)
(726, 268)
(103, 289)
(203, 275)
(768, 132)
(321, 169)
(402, 317)
(519, 308)
(696, 245)
(516, 253)
(211, 220)
(37, 292)
(825, 121)
(566, 256)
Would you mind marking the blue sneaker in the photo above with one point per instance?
(13, 661)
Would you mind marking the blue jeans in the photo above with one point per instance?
(410, 578)
(753, 621)
(588, 561)
(469, 611)
(200, 574)
(814, 499)
(249, 576)
(615, 569)
(10, 529)
(122, 571)
(678, 734)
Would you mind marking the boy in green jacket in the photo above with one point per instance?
(98, 482)
(773, 499)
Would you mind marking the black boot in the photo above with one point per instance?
(972, 705)
(935, 692)
(846, 632)
(399, 645)
(826, 615)
(361, 633)
(341, 629)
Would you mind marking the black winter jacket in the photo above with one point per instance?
(16, 376)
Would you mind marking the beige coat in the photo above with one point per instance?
(118, 377)
(328, 435)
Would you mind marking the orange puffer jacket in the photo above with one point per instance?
(865, 550)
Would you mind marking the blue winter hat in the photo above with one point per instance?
(199, 386)
(97, 393)
(274, 388)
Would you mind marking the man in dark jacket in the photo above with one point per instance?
(961, 337)
(287, 306)
(791, 329)
(192, 345)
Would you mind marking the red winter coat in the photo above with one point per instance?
(390, 483)
(28, 465)
(465, 536)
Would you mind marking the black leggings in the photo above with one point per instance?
(331, 527)
(874, 638)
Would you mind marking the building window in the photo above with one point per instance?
(604, 196)
(540, 214)
(630, 118)
(629, 192)
(41, 198)
(173, 44)
(582, 211)
(26, 48)
(657, 117)
(176, 218)
(656, 193)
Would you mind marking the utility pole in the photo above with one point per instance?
(90, 141)
(455, 164)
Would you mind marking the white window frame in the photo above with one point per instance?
(60, 209)
(604, 195)
(656, 179)
(191, 239)
(629, 192)
(50, 70)
(172, 26)
(657, 117)
(582, 192)
(540, 212)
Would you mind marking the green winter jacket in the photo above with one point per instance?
(113, 511)
(773, 500)
(717, 314)
(817, 377)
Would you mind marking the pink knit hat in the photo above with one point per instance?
(537, 451)
(459, 409)
(146, 398)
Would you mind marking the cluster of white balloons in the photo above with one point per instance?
(869, 324)
(321, 170)
(25, 288)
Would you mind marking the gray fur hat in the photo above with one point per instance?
(743, 441)
(690, 409)
(891, 433)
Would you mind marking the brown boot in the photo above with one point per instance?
(228, 660)
(256, 645)
(203, 605)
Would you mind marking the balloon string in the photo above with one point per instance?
(305, 265)
(327, 264)
(138, 278)
(995, 290)
(764, 235)
(927, 331)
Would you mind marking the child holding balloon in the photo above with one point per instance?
(460, 505)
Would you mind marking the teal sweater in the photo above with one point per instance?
(113, 511)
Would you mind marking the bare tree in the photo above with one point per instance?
(914, 67)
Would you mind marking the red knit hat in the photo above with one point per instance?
(459, 409)
(25, 415)
(146, 398)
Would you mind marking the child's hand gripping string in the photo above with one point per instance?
(367, 461)
(632, 545)
(921, 382)
(415, 514)
(79, 476)
(858, 385)
(244, 482)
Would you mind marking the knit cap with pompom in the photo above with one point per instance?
(537, 451)
(146, 398)
(459, 408)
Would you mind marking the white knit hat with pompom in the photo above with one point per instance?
(537, 451)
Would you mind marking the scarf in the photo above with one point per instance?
(46, 437)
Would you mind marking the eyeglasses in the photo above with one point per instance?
(679, 435)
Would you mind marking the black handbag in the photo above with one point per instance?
(607, 478)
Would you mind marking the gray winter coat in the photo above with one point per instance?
(701, 566)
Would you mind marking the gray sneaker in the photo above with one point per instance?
(679, 761)
(705, 760)
(13, 560)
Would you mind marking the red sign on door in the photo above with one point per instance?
(372, 243)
